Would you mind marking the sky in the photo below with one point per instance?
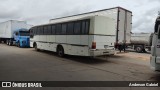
(37, 12)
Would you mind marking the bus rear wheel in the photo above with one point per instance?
(60, 51)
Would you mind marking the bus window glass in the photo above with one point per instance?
(77, 28)
(53, 29)
(58, 29)
(49, 31)
(70, 28)
(64, 27)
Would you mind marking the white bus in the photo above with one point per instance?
(155, 49)
(87, 36)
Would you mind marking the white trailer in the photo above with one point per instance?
(122, 22)
(8, 28)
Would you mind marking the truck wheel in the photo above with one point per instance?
(144, 51)
(60, 51)
(7, 42)
(139, 49)
(10, 43)
(18, 44)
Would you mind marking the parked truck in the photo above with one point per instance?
(122, 22)
(155, 49)
(15, 33)
(140, 42)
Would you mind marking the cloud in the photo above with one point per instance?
(144, 19)
(39, 12)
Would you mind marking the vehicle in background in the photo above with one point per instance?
(15, 33)
(140, 42)
(122, 22)
(155, 49)
(21, 38)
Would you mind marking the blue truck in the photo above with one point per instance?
(15, 32)
(21, 38)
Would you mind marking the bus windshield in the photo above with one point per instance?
(24, 33)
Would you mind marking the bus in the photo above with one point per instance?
(88, 36)
(155, 49)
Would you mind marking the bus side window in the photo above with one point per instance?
(31, 31)
(45, 30)
(41, 30)
(53, 29)
(34, 31)
(70, 28)
(58, 29)
(87, 26)
(83, 27)
(77, 28)
(49, 31)
(38, 31)
(64, 27)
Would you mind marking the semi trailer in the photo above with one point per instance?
(15, 33)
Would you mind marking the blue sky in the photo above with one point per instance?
(39, 12)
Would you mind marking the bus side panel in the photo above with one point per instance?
(84, 50)
(104, 42)
(52, 45)
(79, 45)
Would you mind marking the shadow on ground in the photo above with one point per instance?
(155, 77)
(82, 59)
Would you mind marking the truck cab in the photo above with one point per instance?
(155, 49)
(22, 38)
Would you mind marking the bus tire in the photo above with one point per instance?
(35, 47)
(60, 51)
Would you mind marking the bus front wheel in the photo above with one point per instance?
(60, 51)
(35, 46)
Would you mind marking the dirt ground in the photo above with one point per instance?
(141, 56)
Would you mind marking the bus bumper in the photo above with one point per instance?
(31, 44)
(101, 52)
(155, 63)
